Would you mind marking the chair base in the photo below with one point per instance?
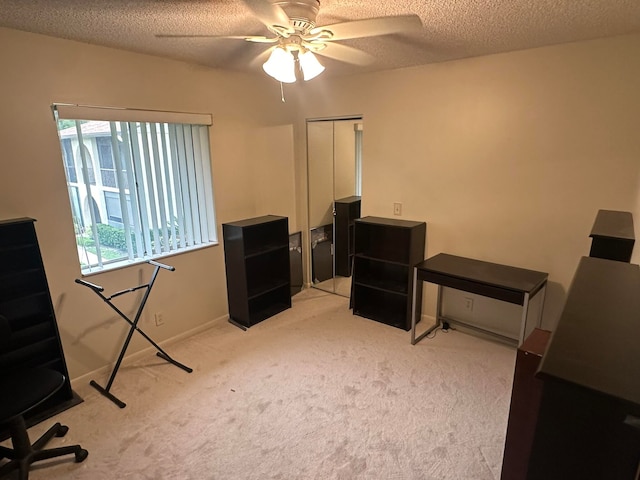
(24, 453)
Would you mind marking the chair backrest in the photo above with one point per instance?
(5, 333)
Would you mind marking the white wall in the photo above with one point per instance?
(274, 173)
(506, 157)
(38, 71)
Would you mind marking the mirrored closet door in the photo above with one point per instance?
(334, 156)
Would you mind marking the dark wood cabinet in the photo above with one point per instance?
(295, 262)
(386, 250)
(612, 236)
(347, 210)
(589, 418)
(256, 253)
(321, 253)
(26, 303)
(525, 402)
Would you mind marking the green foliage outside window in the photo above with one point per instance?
(114, 238)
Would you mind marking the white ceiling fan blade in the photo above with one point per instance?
(269, 14)
(248, 38)
(371, 27)
(346, 54)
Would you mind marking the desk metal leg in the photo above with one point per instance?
(439, 306)
(417, 299)
(544, 294)
(413, 306)
(523, 322)
(525, 311)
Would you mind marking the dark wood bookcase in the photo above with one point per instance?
(347, 211)
(321, 253)
(256, 252)
(295, 262)
(386, 251)
(26, 303)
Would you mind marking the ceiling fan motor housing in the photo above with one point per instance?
(302, 13)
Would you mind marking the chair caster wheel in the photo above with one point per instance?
(62, 431)
(81, 455)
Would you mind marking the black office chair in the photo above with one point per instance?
(22, 391)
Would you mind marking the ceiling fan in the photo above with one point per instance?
(296, 37)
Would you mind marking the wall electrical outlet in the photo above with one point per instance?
(159, 316)
(468, 304)
(397, 208)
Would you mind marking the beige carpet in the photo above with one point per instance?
(313, 393)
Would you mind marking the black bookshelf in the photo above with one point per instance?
(295, 262)
(386, 251)
(256, 254)
(321, 253)
(25, 301)
(347, 211)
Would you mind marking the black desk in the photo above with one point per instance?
(501, 282)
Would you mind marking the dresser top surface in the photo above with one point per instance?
(613, 224)
(351, 199)
(249, 222)
(597, 341)
(10, 221)
(390, 222)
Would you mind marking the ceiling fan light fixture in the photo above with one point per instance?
(281, 65)
(310, 65)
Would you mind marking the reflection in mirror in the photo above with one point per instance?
(334, 156)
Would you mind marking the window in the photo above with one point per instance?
(88, 161)
(67, 154)
(114, 208)
(153, 190)
(105, 157)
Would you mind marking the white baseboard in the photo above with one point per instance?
(425, 323)
(430, 319)
(78, 382)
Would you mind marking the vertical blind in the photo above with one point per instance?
(163, 183)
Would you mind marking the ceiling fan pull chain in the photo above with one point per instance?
(282, 92)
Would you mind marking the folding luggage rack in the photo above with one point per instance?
(97, 289)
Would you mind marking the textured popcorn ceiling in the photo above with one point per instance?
(451, 28)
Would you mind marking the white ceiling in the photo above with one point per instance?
(452, 29)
